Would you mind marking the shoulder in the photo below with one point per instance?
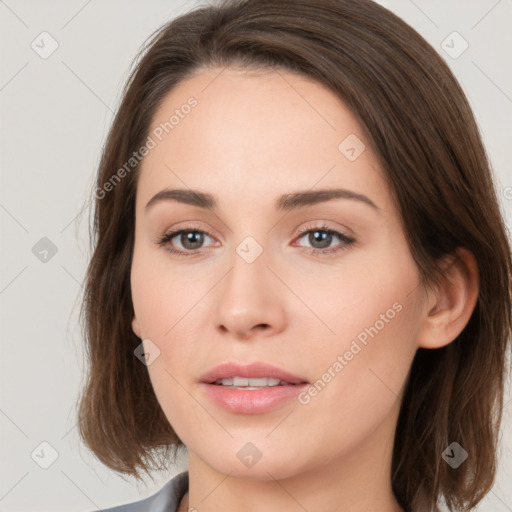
(167, 499)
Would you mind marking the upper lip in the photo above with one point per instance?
(249, 370)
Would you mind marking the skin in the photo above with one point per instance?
(253, 137)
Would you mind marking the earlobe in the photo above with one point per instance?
(136, 327)
(450, 305)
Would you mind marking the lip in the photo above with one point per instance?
(251, 370)
(251, 401)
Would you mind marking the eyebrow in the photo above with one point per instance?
(286, 202)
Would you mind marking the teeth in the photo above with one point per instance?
(240, 382)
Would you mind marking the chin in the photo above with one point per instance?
(251, 463)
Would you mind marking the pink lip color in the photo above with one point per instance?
(251, 370)
(251, 401)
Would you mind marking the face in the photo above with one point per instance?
(323, 289)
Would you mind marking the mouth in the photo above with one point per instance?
(252, 388)
(251, 383)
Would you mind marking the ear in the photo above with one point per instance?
(450, 304)
(136, 327)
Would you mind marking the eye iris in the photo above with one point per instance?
(324, 238)
(191, 239)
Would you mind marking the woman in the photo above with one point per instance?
(300, 272)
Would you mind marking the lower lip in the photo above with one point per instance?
(252, 401)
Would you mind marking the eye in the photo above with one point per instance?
(191, 240)
(320, 239)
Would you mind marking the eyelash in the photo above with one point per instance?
(347, 241)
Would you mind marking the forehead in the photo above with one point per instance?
(255, 134)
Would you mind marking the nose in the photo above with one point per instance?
(250, 300)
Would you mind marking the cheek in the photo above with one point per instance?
(162, 295)
(361, 370)
(364, 300)
(166, 304)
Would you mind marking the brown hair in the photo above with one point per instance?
(418, 122)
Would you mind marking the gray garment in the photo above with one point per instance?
(167, 499)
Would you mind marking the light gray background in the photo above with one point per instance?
(55, 113)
